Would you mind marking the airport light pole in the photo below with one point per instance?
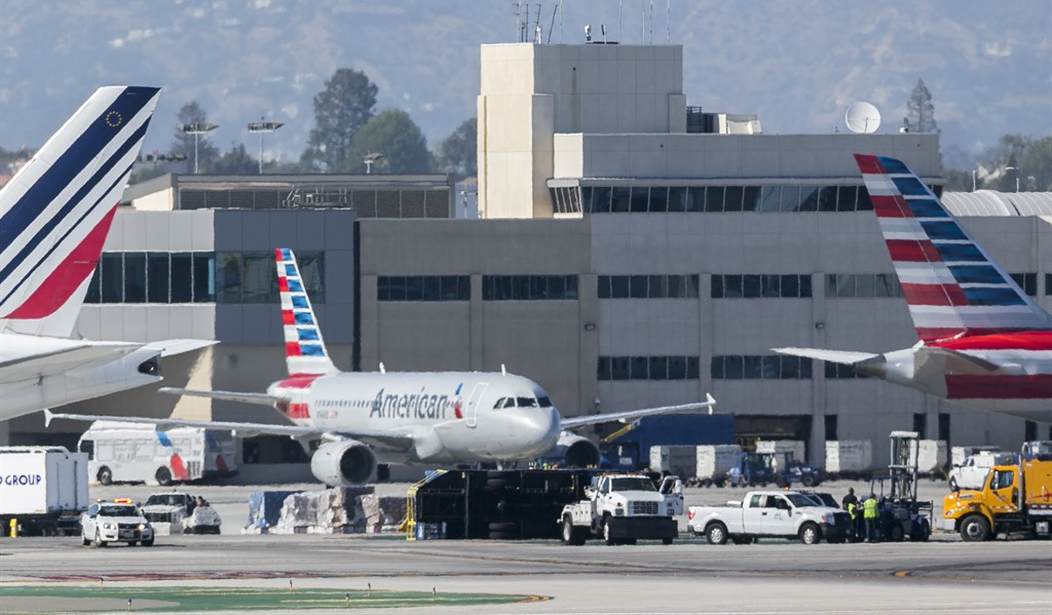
(197, 129)
(1016, 169)
(370, 160)
(262, 127)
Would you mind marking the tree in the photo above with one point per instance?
(393, 134)
(920, 112)
(236, 161)
(183, 144)
(343, 107)
(458, 153)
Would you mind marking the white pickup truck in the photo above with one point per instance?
(783, 514)
(623, 508)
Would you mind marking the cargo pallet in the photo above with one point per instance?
(492, 504)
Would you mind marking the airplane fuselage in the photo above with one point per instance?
(452, 416)
(26, 392)
(1021, 385)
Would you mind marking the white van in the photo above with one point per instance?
(129, 452)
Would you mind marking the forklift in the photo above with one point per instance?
(901, 514)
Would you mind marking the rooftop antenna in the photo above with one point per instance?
(551, 28)
(620, 22)
(518, 19)
(588, 33)
(537, 24)
(862, 118)
(668, 21)
(602, 27)
(538, 36)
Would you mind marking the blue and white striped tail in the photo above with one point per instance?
(55, 213)
(304, 348)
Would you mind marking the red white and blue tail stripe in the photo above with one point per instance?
(952, 286)
(55, 213)
(305, 351)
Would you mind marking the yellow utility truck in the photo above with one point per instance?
(1014, 498)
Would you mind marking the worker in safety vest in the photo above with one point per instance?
(870, 513)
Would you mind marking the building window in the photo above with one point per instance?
(753, 286)
(760, 367)
(648, 286)
(197, 277)
(838, 371)
(772, 198)
(423, 288)
(675, 367)
(529, 287)
(862, 285)
(1028, 282)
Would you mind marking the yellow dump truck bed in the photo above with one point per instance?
(1037, 476)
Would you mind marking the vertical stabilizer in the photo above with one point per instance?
(952, 286)
(305, 351)
(56, 212)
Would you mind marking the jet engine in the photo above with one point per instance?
(576, 451)
(343, 463)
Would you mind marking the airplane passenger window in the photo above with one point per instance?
(500, 403)
(526, 402)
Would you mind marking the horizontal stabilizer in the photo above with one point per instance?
(57, 361)
(261, 399)
(631, 415)
(843, 357)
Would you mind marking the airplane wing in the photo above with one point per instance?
(170, 348)
(57, 361)
(844, 357)
(629, 415)
(261, 399)
(386, 438)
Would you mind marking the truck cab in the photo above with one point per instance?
(622, 508)
(1013, 498)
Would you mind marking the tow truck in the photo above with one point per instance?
(624, 508)
(117, 520)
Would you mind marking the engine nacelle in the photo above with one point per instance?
(576, 451)
(343, 463)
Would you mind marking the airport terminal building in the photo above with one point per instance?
(630, 251)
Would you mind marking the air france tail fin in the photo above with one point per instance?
(56, 212)
(305, 351)
(952, 286)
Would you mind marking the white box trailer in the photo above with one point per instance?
(43, 488)
(132, 452)
(849, 458)
(680, 460)
(931, 457)
(714, 461)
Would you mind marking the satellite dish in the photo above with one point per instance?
(862, 118)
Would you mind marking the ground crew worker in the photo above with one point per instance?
(869, 511)
(850, 504)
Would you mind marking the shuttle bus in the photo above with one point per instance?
(133, 452)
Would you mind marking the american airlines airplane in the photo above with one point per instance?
(982, 339)
(55, 214)
(412, 417)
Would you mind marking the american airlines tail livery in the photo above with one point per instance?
(982, 339)
(55, 214)
(410, 417)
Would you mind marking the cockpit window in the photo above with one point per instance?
(509, 402)
(526, 402)
(544, 402)
(500, 403)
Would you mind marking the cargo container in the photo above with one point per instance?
(713, 462)
(850, 459)
(678, 459)
(628, 448)
(43, 489)
(796, 448)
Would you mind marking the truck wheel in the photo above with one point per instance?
(608, 534)
(810, 534)
(84, 541)
(808, 480)
(896, 534)
(105, 476)
(163, 476)
(716, 533)
(922, 534)
(571, 535)
(706, 483)
(975, 528)
(147, 543)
